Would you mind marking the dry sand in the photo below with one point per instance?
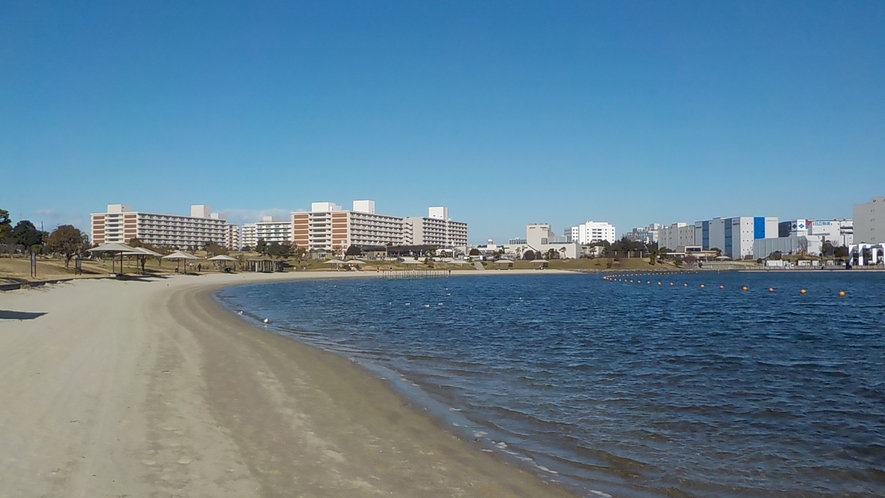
(129, 388)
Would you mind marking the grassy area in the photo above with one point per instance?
(17, 269)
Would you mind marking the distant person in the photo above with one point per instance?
(200, 267)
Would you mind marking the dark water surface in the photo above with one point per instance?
(627, 389)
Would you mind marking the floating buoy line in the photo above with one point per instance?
(637, 278)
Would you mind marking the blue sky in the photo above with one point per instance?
(506, 112)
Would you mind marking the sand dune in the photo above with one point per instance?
(128, 388)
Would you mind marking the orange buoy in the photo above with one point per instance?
(659, 283)
(702, 286)
(744, 288)
(841, 293)
(801, 291)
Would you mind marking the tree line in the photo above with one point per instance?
(24, 237)
(280, 250)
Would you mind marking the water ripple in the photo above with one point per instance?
(632, 390)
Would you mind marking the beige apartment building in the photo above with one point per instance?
(121, 224)
(327, 227)
(434, 229)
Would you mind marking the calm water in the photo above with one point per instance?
(627, 389)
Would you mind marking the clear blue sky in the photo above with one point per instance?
(506, 112)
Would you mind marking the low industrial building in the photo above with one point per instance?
(735, 236)
(866, 254)
(836, 232)
(540, 237)
(647, 234)
(695, 251)
(676, 235)
(808, 245)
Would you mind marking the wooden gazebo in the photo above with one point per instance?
(264, 265)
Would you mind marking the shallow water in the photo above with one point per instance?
(627, 389)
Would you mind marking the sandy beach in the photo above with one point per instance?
(149, 388)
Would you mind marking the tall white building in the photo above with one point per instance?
(592, 231)
(676, 235)
(250, 235)
(434, 229)
(869, 222)
(234, 237)
(735, 236)
(121, 224)
(271, 229)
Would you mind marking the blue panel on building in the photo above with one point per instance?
(759, 227)
(705, 236)
(729, 244)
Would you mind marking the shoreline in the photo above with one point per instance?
(146, 387)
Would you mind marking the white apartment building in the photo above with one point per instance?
(676, 235)
(121, 224)
(327, 227)
(234, 237)
(434, 229)
(271, 229)
(591, 231)
(869, 222)
(250, 235)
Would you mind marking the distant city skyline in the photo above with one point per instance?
(507, 113)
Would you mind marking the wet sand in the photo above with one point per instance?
(131, 388)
